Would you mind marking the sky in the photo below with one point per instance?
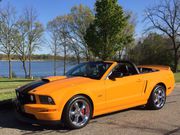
(49, 9)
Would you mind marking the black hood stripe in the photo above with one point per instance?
(28, 87)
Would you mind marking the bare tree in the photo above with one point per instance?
(7, 25)
(54, 45)
(79, 20)
(34, 33)
(21, 46)
(63, 36)
(75, 48)
(70, 30)
(165, 17)
(59, 29)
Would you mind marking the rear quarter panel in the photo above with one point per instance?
(165, 77)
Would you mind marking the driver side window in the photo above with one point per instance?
(123, 69)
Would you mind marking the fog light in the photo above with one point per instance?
(17, 93)
(32, 98)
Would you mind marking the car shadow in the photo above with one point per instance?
(8, 120)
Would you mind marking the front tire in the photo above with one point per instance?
(77, 112)
(157, 98)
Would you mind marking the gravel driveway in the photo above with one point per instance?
(128, 122)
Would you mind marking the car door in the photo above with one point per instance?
(124, 89)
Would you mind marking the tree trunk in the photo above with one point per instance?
(55, 64)
(176, 60)
(24, 68)
(10, 66)
(29, 67)
(64, 60)
(176, 57)
(119, 55)
(77, 56)
(87, 56)
(30, 62)
(78, 59)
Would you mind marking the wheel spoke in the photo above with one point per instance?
(82, 115)
(76, 119)
(76, 105)
(156, 100)
(159, 101)
(83, 107)
(159, 92)
(72, 113)
(160, 96)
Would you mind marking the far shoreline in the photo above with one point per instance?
(35, 60)
(31, 60)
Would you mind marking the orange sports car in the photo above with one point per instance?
(93, 88)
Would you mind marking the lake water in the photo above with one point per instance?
(39, 68)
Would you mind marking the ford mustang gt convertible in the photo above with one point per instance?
(91, 89)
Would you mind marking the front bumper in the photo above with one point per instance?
(37, 114)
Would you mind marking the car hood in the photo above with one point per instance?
(58, 84)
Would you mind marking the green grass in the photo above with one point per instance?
(177, 77)
(7, 95)
(6, 83)
(8, 86)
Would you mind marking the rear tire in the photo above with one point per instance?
(77, 112)
(157, 98)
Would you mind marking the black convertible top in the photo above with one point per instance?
(131, 63)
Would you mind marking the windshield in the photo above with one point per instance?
(93, 70)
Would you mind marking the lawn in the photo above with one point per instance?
(8, 86)
(177, 77)
(6, 83)
(7, 95)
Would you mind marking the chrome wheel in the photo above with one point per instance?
(79, 112)
(159, 97)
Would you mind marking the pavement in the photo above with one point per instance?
(135, 121)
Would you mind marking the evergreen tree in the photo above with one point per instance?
(106, 36)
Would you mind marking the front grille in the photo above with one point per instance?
(22, 92)
(25, 98)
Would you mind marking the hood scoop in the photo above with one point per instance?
(53, 78)
(45, 80)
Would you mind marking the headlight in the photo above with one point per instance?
(46, 100)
